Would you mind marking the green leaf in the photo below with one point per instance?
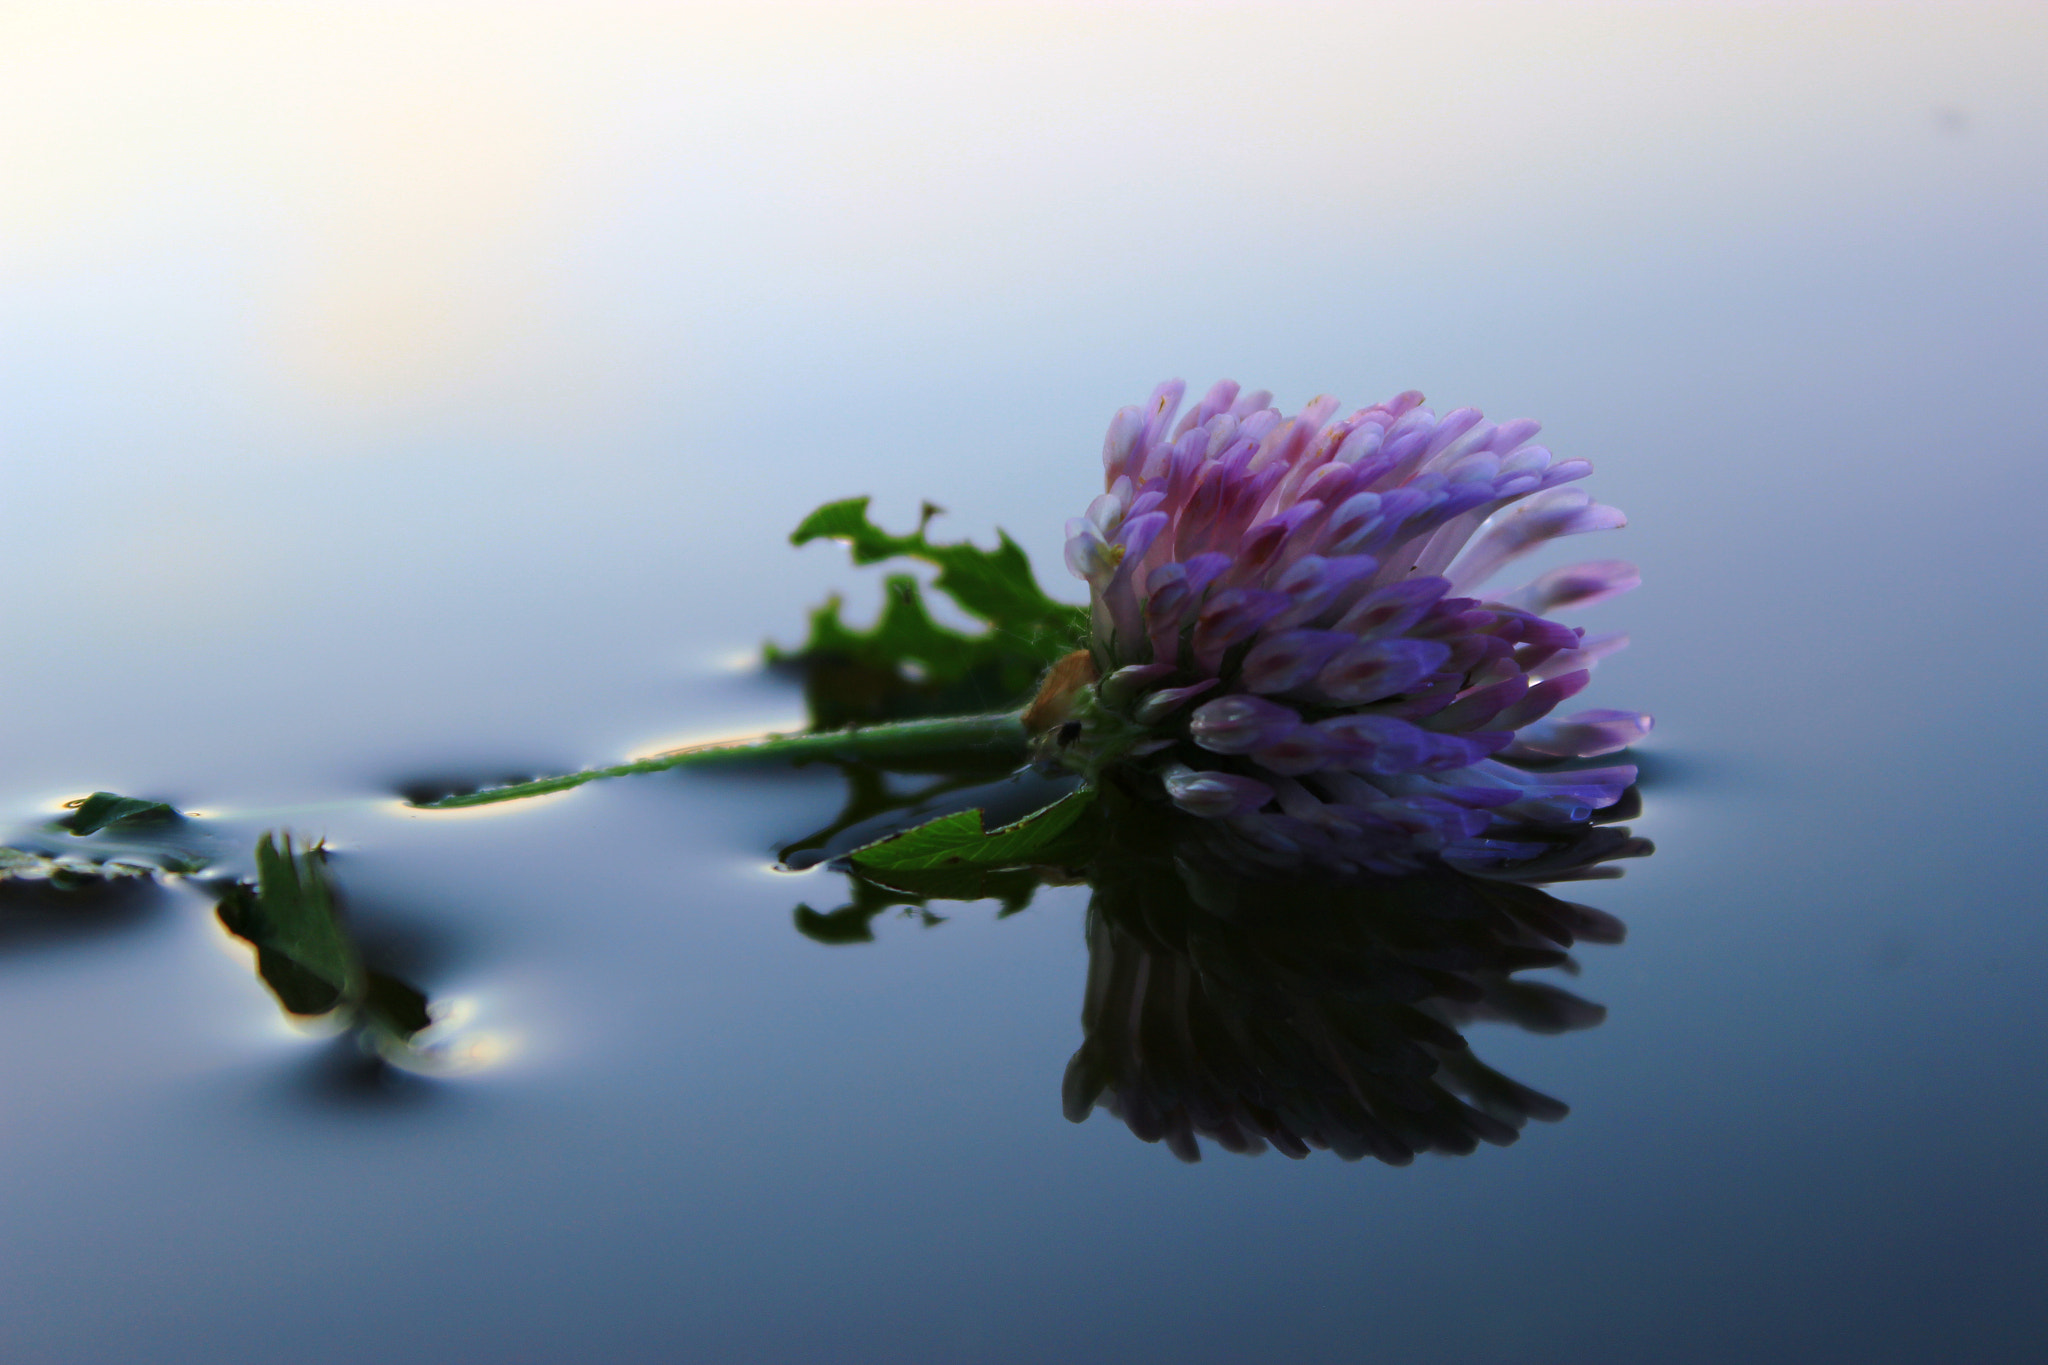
(905, 632)
(302, 954)
(994, 585)
(305, 953)
(308, 958)
(846, 520)
(955, 843)
(907, 664)
(102, 809)
(870, 796)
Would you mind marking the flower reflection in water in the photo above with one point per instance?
(1317, 1013)
(1294, 1011)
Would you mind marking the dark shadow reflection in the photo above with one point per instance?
(91, 873)
(1310, 1014)
(342, 1076)
(40, 913)
(1295, 1013)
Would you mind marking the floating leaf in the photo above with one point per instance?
(304, 952)
(289, 916)
(102, 809)
(957, 842)
(886, 798)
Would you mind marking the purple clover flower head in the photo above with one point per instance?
(1302, 634)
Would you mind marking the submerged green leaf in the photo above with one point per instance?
(102, 809)
(957, 843)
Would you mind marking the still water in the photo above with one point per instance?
(404, 395)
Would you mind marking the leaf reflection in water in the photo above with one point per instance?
(1293, 1013)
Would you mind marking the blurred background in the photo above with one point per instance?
(389, 389)
(449, 339)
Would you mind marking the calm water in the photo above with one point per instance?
(397, 394)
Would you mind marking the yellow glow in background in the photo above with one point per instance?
(396, 197)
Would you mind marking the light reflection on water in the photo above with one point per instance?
(429, 394)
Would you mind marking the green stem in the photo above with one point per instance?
(909, 739)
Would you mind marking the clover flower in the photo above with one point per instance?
(1291, 630)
